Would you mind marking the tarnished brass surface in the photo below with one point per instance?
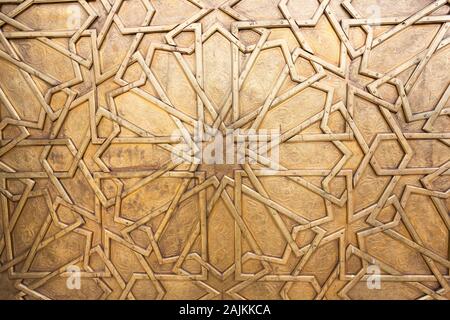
(92, 91)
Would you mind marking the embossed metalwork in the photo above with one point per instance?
(91, 92)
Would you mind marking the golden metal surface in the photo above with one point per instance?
(92, 91)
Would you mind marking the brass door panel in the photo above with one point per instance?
(96, 97)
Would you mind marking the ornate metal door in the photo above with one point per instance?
(109, 112)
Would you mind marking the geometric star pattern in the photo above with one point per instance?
(91, 91)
